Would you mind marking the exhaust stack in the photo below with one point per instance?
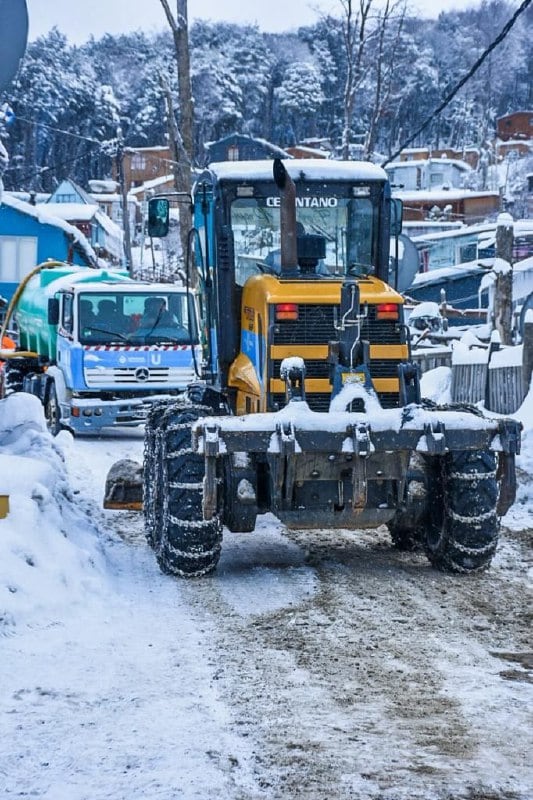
(289, 250)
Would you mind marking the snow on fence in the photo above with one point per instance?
(504, 385)
(432, 357)
(497, 377)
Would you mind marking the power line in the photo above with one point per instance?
(449, 97)
(101, 145)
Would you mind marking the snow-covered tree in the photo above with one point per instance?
(300, 95)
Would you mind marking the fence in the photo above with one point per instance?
(432, 357)
(498, 378)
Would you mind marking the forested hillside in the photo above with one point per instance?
(371, 84)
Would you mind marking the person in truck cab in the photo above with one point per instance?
(109, 318)
(156, 313)
(87, 315)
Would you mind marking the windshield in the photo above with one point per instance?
(136, 318)
(347, 226)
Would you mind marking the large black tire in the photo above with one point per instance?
(15, 369)
(463, 525)
(52, 411)
(185, 544)
(152, 472)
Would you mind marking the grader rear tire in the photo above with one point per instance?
(463, 525)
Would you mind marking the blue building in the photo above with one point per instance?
(29, 235)
(74, 205)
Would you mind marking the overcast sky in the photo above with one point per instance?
(78, 20)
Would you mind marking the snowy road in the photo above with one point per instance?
(310, 666)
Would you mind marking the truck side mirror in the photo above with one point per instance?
(158, 217)
(396, 214)
(53, 311)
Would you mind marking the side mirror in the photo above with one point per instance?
(53, 311)
(158, 217)
(396, 214)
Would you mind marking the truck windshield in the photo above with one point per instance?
(347, 225)
(136, 318)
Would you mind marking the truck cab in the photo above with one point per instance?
(105, 347)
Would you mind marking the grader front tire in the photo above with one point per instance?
(185, 544)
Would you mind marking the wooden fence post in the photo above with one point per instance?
(527, 353)
(503, 268)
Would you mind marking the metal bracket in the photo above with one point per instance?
(359, 483)
(292, 371)
(361, 439)
(286, 438)
(435, 438)
(211, 451)
(509, 430)
(211, 440)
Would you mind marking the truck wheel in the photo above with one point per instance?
(463, 525)
(14, 371)
(52, 412)
(189, 546)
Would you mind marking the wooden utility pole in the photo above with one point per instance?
(124, 195)
(181, 135)
(503, 267)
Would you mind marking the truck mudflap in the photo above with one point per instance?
(369, 446)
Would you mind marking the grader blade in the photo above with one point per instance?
(124, 486)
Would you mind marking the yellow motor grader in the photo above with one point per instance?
(306, 403)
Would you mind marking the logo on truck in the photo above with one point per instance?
(142, 374)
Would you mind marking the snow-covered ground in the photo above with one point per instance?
(311, 665)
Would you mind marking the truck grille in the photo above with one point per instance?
(317, 401)
(314, 368)
(315, 325)
(118, 376)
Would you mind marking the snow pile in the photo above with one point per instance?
(519, 516)
(436, 385)
(49, 558)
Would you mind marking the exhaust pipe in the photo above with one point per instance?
(289, 250)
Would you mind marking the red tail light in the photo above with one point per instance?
(286, 311)
(388, 311)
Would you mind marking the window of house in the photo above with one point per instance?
(233, 153)
(18, 255)
(66, 198)
(138, 161)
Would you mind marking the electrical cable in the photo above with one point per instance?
(449, 97)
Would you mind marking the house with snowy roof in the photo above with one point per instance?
(437, 188)
(239, 147)
(29, 235)
(74, 205)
